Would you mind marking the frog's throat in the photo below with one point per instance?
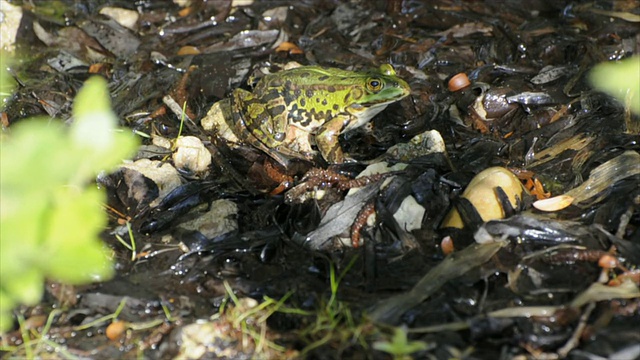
(364, 114)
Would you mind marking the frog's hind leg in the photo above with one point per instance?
(327, 140)
(257, 118)
(245, 128)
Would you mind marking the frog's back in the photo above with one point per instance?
(310, 95)
(310, 78)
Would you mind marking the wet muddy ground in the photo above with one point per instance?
(243, 257)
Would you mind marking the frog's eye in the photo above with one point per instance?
(374, 84)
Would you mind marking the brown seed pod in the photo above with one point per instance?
(116, 329)
(447, 245)
(458, 82)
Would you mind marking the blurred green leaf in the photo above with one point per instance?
(7, 83)
(50, 211)
(620, 79)
(68, 262)
(6, 304)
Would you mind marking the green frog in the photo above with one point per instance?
(289, 110)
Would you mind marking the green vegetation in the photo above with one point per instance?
(620, 79)
(251, 318)
(336, 326)
(35, 341)
(399, 346)
(50, 208)
(334, 322)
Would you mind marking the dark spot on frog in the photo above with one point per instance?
(318, 100)
(323, 78)
(270, 96)
(309, 93)
(304, 121)
(305, 74)
(336, 107)
(324, 102)
(297, 92)
(347, 97)
(331, 88)
(289, 97)
(303, 102)
(277, 109)
(296, 117)
(287, 84)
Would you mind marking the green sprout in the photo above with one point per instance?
(399, 346)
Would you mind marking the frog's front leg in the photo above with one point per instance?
(327, 139)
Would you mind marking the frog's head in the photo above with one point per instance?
(377, 90)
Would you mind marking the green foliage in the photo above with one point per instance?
(50, 211)
(399, 346)
(335, 324)
(7, 83)
(620, 79)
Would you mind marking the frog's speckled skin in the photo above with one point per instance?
(317, 101)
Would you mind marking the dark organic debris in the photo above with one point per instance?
(224, 252)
